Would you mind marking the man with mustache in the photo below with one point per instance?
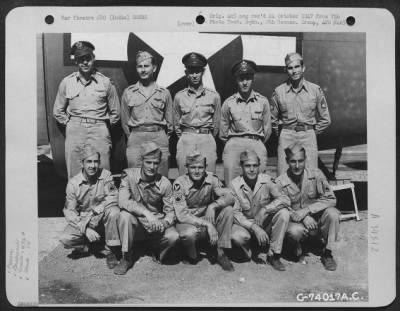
(147, 214)
(86, 103)
(146, 113)
(299, 112)
(204, 211)
(245, 121)
(197, 112)
(91, 208)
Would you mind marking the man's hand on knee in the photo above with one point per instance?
(310, 223)
(92, 235)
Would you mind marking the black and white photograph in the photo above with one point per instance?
(224, 166)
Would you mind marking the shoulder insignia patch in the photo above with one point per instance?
(177, 187)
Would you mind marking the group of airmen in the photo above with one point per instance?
(251, 212)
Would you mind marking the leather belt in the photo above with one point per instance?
(87, 120)
(147, 128)
(198, 131)
(298, 127)
(255, 137)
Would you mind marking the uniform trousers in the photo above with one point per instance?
(231, 156)
(189, 234)
(130, 230)
(72, 237)
(275, 225)
(78, 133)
(328, 228)
(189, 142)
(307, 139)
(133, 150)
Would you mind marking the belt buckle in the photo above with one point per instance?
(300, 127)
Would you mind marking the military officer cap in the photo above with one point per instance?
(142, 56)
(247, 155)
(194, 59)
(291, 57)
(82, 48)
(243, 67)
(150, 150)
(293, 149)
(194, 158)
(87, 151)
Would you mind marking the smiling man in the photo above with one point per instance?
(86, 103)
(146, 113)
(145, 199)
(261, 212)
(299, 111)
(197, 112)
(91, 208)
(204, 211)
(313, 204)
(245, 121)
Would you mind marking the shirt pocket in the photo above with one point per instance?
(312, 192)
(157, 102)
(236, 114)
(309, 105)
(257, 114)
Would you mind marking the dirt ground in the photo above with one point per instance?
(87, 280)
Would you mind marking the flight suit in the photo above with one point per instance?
(244, 125)
(301, 115)
(147, 119)
(196, 121)
(249, 202)
(86, 109)
(91, 205)
(190, 206)
(135, 195)
(315, 194)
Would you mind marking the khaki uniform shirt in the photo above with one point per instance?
(306, 105)
(196, 110)
(249, 202)
(82, 197)
(315, 192)
(97, 99)
(240, 117)
(137, 109)
(190, 203)
(137, 195)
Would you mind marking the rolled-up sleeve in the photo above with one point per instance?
(129, 199)
(326, 197)
(280, 200)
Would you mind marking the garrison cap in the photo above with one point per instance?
(142, 56)
(293, 149)
(194, 59)
(247, 155)
(150, 150)
(243, 67)
(291, 57)
(82, 48)
(87, 151)
(195, 157)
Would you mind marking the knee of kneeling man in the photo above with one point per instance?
(241, 238)
(114, 212)
(296, 233)
(284, 214)
(332, 213)
(126, 217)
(189, 234)
(172, 237)
(66, 240)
